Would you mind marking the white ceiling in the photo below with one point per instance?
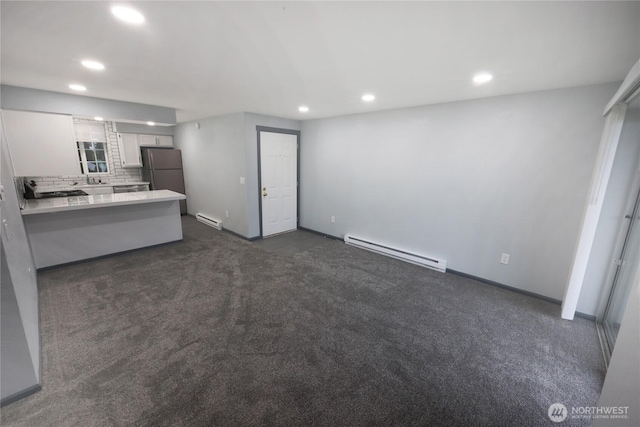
(212, 58)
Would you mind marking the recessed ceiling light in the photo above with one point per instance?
(303, 109)
(94, 65)
(127, 14)
(482, 78)
(368, 97)
(151, 123)
(79, 88)
(98, 118)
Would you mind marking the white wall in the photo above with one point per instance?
(144, 129)
(213, 160)
(463, 181)
(619, 199)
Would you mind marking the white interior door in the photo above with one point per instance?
(279, 182)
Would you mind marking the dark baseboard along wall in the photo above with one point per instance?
(479, 279)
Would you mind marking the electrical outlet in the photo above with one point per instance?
(333, 218)
(226, 213)
(505, 259)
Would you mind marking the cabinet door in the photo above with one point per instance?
(165, 140)
(146, 140)
(129, 150)
(41, 144)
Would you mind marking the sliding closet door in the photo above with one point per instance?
(627, 258)
(626, 271)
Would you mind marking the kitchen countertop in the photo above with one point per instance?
(61, 204)
(45, 189)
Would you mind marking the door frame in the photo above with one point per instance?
(287, 132)
(614, 116)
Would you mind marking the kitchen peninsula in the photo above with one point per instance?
(69, 229)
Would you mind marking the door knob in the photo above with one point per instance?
(264, 194)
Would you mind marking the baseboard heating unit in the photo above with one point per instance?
(421, 260)
(211, 222)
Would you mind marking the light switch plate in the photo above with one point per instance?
(505, 259)
(242, 180)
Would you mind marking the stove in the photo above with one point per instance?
(69, 193)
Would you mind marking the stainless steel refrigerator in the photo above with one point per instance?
(162, 168)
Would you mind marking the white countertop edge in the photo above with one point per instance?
(62, 204)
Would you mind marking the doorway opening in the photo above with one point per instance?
(278, 180)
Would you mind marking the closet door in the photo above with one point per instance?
(626, 255)
(623, 281)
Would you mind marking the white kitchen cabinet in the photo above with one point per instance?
(129, 150)
(90, 132)
(165, 140)
(146, 140)
(153, 140)
(130, 143)
(41, 144)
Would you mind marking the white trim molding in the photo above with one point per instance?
(629, 87)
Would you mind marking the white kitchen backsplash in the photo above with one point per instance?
(116, 175)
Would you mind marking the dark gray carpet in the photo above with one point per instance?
(217, 331)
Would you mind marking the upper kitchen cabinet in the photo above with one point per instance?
(90, 132)
(129, 146)
(146, 140)
(155, 140)
(41, 144)
(165, 140)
